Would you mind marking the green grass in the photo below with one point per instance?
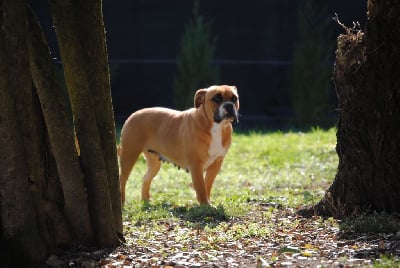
(287, 169)
(372, 222)
(264, 179)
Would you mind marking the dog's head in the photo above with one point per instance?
(221, 103)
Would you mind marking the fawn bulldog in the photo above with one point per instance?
(196, 139)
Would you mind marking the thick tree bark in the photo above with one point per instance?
(71, 35)
(59, 126)
(50, 196)
(367, 78)
(92, 28)
(19, 181)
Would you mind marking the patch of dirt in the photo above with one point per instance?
(280, 239)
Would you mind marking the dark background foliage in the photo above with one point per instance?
(255, 49)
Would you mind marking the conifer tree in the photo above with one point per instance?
(195, 68)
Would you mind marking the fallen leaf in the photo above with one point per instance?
(288, 249)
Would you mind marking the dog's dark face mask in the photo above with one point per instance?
(222, 102)
(226, 109)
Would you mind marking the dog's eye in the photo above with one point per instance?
(234, 99)
(217, 98)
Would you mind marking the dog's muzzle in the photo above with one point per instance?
(227, 111)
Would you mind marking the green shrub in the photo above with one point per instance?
(195, 69)
(312, 68)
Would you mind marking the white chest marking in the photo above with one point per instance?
(216, 149)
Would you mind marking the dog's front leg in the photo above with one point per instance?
(198, 184)
(211, 173)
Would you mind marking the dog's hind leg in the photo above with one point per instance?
(153, 166)
(127, 159)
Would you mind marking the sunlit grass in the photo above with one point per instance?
(291, 168)
(264, 178)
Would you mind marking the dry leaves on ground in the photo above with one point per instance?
(266, 237)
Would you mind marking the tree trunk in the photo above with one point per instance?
(49, 195)
(92, 28)
(19, 236)
(70, 18)
(367, 78)
(59, 126)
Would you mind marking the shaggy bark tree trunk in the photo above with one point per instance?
(49, 195)
(367, 78)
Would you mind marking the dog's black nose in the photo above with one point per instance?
(229, 107)
(231, 111)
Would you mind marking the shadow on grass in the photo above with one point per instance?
(200, 214)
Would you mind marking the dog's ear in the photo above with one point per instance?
(199, 97)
